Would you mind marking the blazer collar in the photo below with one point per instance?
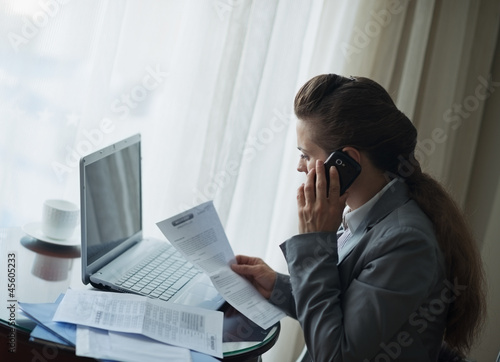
(396, 196)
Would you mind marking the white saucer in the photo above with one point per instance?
(34, 229)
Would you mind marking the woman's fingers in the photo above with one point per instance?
(301, 199)
(334, 182)
(310, 187)
(320, 180)
(257, 272)
(245, 265)
(243, 269)
(317, 211)
(335, 188)
(244, 259)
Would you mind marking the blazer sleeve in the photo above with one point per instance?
(281, 296)
(397, 276)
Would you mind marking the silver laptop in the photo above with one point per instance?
(115, 256)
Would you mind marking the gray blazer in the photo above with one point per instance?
(386, 300)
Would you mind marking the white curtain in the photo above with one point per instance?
(210, 84)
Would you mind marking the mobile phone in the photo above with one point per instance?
(348, 169)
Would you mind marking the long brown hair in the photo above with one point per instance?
(358, 112)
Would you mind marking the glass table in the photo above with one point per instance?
(38, 272)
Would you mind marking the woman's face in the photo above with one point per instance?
(310, 151)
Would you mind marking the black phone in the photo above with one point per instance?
(348, 169)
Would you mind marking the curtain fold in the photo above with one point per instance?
(241, 106)
(449, 124)
(483, 206)
(409, 64)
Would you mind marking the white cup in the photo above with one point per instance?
(59, 218)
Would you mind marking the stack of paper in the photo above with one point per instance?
(94, 322)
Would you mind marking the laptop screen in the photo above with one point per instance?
(111, 198)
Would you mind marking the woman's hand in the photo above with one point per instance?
(317, 212)
(257, 272)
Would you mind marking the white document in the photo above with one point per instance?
(190, 327)
(199, 236)
(117, 346)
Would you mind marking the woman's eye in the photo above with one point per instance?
(304, 157)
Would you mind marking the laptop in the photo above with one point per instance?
(115, 254)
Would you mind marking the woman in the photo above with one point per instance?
(406, 277)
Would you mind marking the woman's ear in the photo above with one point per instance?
(353, 153)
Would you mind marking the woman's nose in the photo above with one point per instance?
(301, 167)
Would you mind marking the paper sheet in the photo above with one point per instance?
(116, 346)
(190, 327)
(199, 236)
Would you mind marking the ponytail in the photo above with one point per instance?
(463, 262)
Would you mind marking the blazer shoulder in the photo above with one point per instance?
(406, 230)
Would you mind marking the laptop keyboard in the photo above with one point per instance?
(159, 275)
